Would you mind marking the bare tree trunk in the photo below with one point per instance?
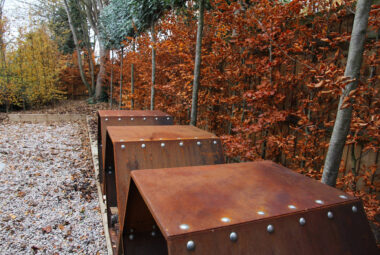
(102, 71)
(74, 33)
(197, 67)
(93, 8)
(121, 76)
(133, 77)
(111, 82)
(86, 37)
(152, 91)
(343, 118)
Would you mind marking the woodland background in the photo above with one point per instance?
(271, 78)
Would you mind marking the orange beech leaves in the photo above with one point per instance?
(271, 78)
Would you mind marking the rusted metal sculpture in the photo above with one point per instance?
(246, 208)
(125, 118)
(132, 148)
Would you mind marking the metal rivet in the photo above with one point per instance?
(233, 237)
(143, 145)
(104, 197)
(119, 119)
(260, 213)
(109, 172)
(354, 209)
(162, 144)
(168, 118)
(343, 197)
(215, 142)
(190, 245)
(123, 146)
(181, 144)
(330, 215)
(270, 228)
(153, 233)
(156, 118)
(132, 118)
(319, 202)
(106, 119)
(144, 118)
(291, 207)
(302, 221)
(101, 145)
(131, 237)
(225, 219)
(199, 143)
(184, 226)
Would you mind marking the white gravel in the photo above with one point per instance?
(48, 198)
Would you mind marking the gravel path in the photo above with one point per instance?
(48, 198)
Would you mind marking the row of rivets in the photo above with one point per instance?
(131, 236)
(153, 233)
(163, 144)
(270, 228)
(168, 118)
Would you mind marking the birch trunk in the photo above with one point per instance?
(343, 118)
(121, 76)
(152, 92)
(133, 77)
(75, 38)
(111, 82)
(197, 67)
(102, 71)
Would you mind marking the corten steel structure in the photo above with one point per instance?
(125, 118)
(141, 147)
(247, 208)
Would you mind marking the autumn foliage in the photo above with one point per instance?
(271, 78)
(30, 70)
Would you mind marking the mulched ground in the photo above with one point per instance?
(48, 196)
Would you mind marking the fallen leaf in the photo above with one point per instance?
(46, 229)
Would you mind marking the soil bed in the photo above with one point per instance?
(48, 196)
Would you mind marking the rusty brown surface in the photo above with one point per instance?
(153, 133)
(126, 118)
(202, 196)
(152, 147)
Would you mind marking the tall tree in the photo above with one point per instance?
(133, 76)
(77, 47)
(93, 10)
(197, 67)
(152, 90)
(343, 118)
(115, 27)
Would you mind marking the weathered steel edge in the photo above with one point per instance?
(103, 210)
(133, 141)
